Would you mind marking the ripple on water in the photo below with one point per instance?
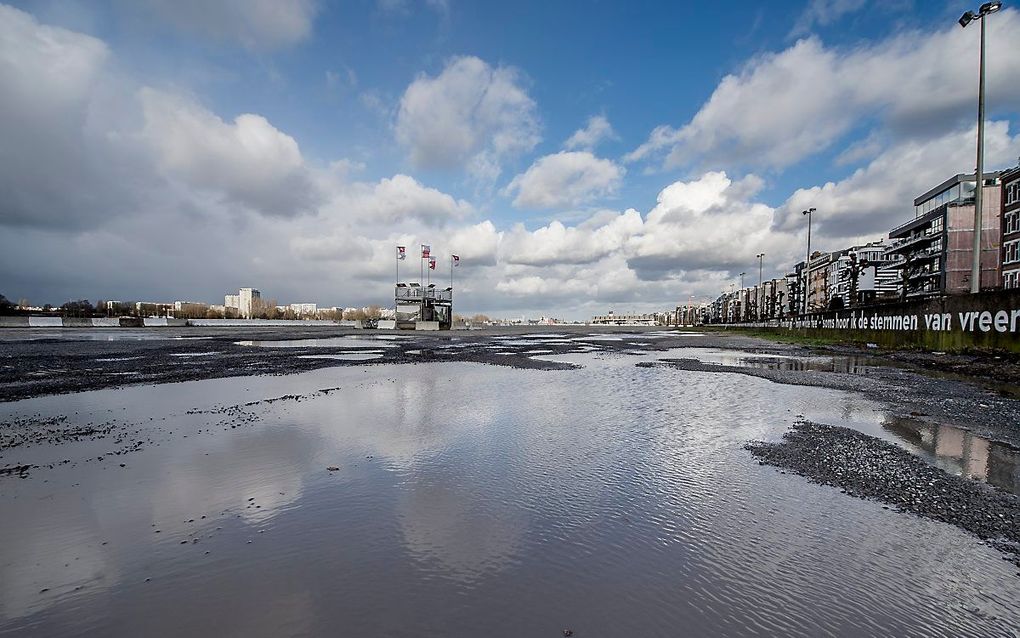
(610, 499)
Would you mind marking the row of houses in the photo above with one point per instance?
(929, 255)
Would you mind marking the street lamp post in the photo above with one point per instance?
(761, 291)
(968, 17)
(807, 262)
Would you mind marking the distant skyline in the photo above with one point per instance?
(578, 157)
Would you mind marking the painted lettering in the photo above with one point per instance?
(985, 321)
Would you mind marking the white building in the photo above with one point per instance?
(243, 302)
(876, 280)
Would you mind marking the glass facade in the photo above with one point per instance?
(955, 193)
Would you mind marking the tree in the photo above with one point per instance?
(77, 308)
(5, 305)
(373, 312)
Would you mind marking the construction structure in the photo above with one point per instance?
(423, 307)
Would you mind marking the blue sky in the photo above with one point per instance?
(712, 126)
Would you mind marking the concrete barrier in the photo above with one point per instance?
(14, 322)
(387, 324)
(426, 325)
(234, 323)
(45, 322)
(105, 322)
(163, 322)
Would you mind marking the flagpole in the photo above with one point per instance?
(396, 283)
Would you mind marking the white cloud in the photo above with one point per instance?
(596, 130)
(878, 197)
(711, 223)
(56, 145)
(471, 115)
(558, 244)
(824, 13)
(567, 178)
(254, 24)
(397, 198)
(249, 161)
(782, 107)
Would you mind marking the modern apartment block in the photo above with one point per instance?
(1011, 228)
(242, 302)
(934, 250)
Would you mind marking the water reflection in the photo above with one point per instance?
(962, 452)
(611, 499)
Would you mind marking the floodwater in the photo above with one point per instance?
(471, 500)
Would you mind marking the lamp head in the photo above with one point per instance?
(967, 18)
(989, 7)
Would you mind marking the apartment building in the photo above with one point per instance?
(1010, 228)
(934, 250)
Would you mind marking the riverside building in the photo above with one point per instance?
(1011, 228)
(934, 250)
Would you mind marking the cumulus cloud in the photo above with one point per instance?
(398, 198)
(471, 115)
(558, 244)
(567, 178)
(878, 197)
(248, 160)
(254, 24)
(710, 223)
(596, 130)
(52, 142)
(782, 107)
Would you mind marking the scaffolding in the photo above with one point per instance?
(416, 303)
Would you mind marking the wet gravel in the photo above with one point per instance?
(867, 467)
(49, 365)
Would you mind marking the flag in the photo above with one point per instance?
(400, 253)
(425, 250)
(456, 260)
(432, 263)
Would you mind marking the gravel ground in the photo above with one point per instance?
(867, 467)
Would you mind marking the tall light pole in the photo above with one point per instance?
(807, 262)
(987, 8)
(761, 291)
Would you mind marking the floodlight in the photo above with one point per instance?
(990, 7)
(966, 18)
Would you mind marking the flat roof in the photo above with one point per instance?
(949, 183)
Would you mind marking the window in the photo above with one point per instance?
(1012, 193)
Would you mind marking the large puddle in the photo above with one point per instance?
(468, 500)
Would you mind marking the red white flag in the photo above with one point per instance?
(425, 250)
(456, 260)
(432, 263)
(401, 253)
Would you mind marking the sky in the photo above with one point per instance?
(579, 157)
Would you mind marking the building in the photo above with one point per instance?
(190, 309)
(1010, 255)
(818, 281)
(303, 309)
(245, 303)
(625, 320)
(861, 275)
(934, 251)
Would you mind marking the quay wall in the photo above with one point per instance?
(985, 321)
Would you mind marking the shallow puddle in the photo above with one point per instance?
(464, 498)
